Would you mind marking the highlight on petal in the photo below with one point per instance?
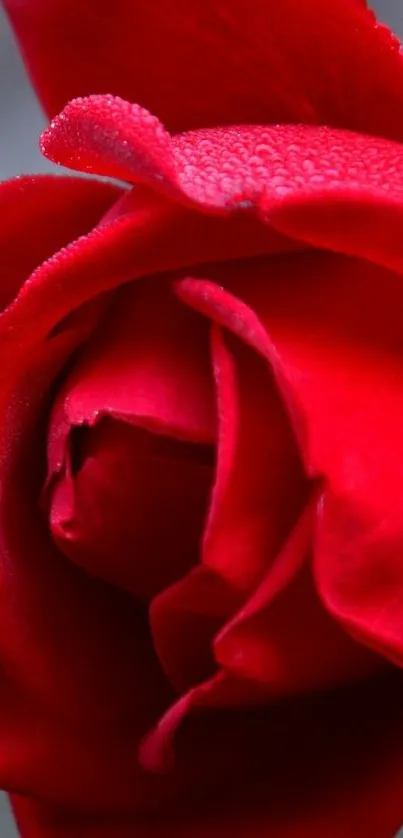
(261, 169)
(106, 135)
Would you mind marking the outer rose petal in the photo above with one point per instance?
(220, 62)
(122, 248)
(330, 765)
(288, 175)
(46, 699)
(46, 212)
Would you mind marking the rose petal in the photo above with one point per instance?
(55, 693)
(133, 511)
(184, 620)
(333, 330)
(260, 485)
(36, 342)
(283, 638)
(281, 643)
(109, 136)
(219, 63)
(77, 707)
(328, 764)
(83, 690)
(353, 734)
(278, 172)
(54, 705)
(76, 747)
(123, 248)
(48, 212)
(259, 644)
(135, 369)
(259, 491)
(104, 507)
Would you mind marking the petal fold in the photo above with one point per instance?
(130, 442)
(315, 186)
(331, 328)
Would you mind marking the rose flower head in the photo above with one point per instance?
(201, 424)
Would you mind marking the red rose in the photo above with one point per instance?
(201, 410)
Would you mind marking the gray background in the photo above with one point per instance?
(21, 123)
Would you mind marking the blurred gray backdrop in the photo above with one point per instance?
(21, 123)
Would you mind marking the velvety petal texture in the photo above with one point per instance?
(256, 169)
(52, 211)
(225, 62)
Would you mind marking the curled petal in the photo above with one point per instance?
(331, 327)
(316, 185)
(259, 491)
(129, 442)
